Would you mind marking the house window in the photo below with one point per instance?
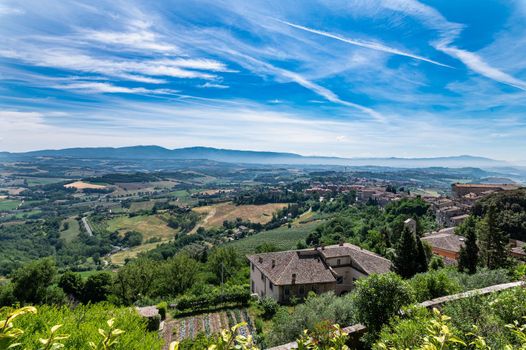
(262, 276)
(270, 285)
(253, 287)
(287, 290)
(302, 290)
(339, 280)
(338, 262)
(252, 265)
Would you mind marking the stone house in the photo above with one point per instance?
(281, 275)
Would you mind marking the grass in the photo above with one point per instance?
(36, 181)
(119, 258)
(284, 238)
(72, 232)
(9, 204)
(144, 205)
(217, 213)
(149, 225)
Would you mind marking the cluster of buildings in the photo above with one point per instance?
(452, 211)
(364, 192)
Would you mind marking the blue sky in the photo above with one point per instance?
(344, 78)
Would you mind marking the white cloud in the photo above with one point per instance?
(98, 87)
(213, 86)
(367, 44)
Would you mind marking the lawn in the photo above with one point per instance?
(8, 204)
(151, 226)
(72, 231)
(214, 215)
(284, 238)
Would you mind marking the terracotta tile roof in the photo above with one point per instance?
(307, 265)
(368, 261)
(445, 239)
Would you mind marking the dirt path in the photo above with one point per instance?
(167, 334)
(208, 216)
(87, 226)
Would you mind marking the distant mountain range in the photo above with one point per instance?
(254, 157)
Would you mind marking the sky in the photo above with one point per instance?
(353, 78)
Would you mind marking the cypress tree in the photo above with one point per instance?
(406, 254)
(469, 253)
(493, 242)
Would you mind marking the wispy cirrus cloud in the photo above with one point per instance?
(366, 44)
(449, 32)
(100, 87)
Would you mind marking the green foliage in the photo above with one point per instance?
(269, 305)
(481, 279)
(72, 284)
(224, 262)
(493, 241)
(163, 309)
(380, 297)
(31, 282)
(436, 263)
(81, 328)
(97, 287)
(469, 253)
(214, 297)
(266, 247)
(325, 336)
(433, 284)
(287, 326)
(410, 257)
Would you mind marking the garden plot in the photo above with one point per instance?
(212, 323)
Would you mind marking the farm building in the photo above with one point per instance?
(282, 275)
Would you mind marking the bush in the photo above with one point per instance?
(380, 297)
(433, 284)
(215, 296)
(163, 309)
(269, 306)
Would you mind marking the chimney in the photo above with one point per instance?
(260, 260)
(322, 247)
(341, 244)
(273, 263)
(293, 278)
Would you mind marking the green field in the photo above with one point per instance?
(8, 204)
(151, 226)
(72, 232)
(284, 238)
(144, 205)
(36, 181)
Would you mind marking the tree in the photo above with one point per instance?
(31, 281)
(72, 284)
(410, 257)
(177, 275)
(469, 253)
(379, 297)
(493, 242)
(266, 248)
(224, 262)
(97, 287)
(135, 279)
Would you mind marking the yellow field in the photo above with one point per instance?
(214, 215)
(119, 258)
(80, 185)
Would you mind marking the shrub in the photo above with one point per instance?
(269, 306)
(433, 284)
(380, 297)
(163, 309)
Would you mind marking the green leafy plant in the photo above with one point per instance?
(109, 337)
(8, 332)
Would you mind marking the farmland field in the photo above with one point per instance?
(143, 205)
(284, 238)
(8, 204)
(217, 213)
(151, 226)
(80, 185)
(72, 231)
(119, 258)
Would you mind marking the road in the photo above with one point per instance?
(86, 226)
